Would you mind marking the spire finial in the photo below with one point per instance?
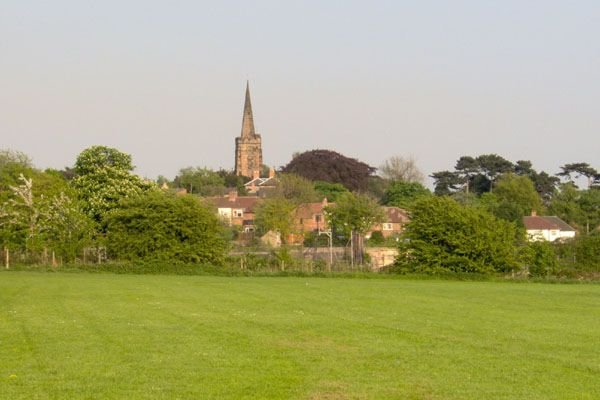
(248, 119)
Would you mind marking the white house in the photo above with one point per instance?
(548, 228)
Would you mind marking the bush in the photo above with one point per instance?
(444, 236)
(159, 226)
(540, 258)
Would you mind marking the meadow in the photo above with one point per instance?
(105, 336)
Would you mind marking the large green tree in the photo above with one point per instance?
(444, 236)
(275, 214)
(104, 177)
(514, 197)
(354, 215)
(166, 227)
(201, 181)
(404, 194)
(330, 191)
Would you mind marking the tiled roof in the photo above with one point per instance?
(261, 182)
(396, 215)
(247, 203)
(307, 210)
(546, 223)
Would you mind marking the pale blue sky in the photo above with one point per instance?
(164, 80)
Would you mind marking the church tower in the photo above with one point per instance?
(248, 147)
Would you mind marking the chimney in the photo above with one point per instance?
(533, 213)
(324, 202)
(255, 174)
(271, 172)
(232, 195)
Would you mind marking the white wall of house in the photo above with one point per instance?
(549, 235)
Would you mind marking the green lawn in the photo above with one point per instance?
(100, 336)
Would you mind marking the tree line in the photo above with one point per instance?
(471, 222)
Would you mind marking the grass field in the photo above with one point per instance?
(101, 336)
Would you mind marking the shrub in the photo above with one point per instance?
(444, 236)
(159, 226)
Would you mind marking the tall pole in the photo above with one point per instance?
(352, 249)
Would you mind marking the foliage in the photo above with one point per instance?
(445, 182)
(401, 169)
(444, 236)
(404, 194)
(232, 180)
(39, 214)
(540, 258)
(377, 238)
(354, 212)
(14, 157)
(330, 191)
(161, 226)
(581, 253)
(580, 208)
(513, 198)
(295, 188)
(275, 214)
(201, 181)
(580, 169)
(104, 178)
(329, 166)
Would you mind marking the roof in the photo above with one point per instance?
(546, 223)
(307, 210)
(396, 215)
(247, 203)
(261, 182)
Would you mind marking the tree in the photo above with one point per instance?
(330, 191)
(466, 167)
(104, 178)
(294, 188)
(492, 166)
(404, 194)
(40, 213)
(579, 169)
(354, 215)
(516, 197)
(589, 203)
(565, 204)
(201, 181)
(444, 236)
(232, 180)
(329, 166)
(401, 169)
(165, 227)
(8, 156)
(445, 182)
(275, 214)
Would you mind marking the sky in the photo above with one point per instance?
(164, 80)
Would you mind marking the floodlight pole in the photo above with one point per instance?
(330, 236)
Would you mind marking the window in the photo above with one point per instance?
(238, 213)
(388, 226)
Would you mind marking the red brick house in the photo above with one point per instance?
(236, 210)
(395, 220)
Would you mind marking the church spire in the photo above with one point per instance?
(248, 119)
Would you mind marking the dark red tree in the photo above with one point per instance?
(329, 166)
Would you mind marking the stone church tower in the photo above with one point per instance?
(248, 149)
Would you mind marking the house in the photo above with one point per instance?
(395, 220)
(260, 186)
(310, 217)
(549, 228)
(236, 210)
